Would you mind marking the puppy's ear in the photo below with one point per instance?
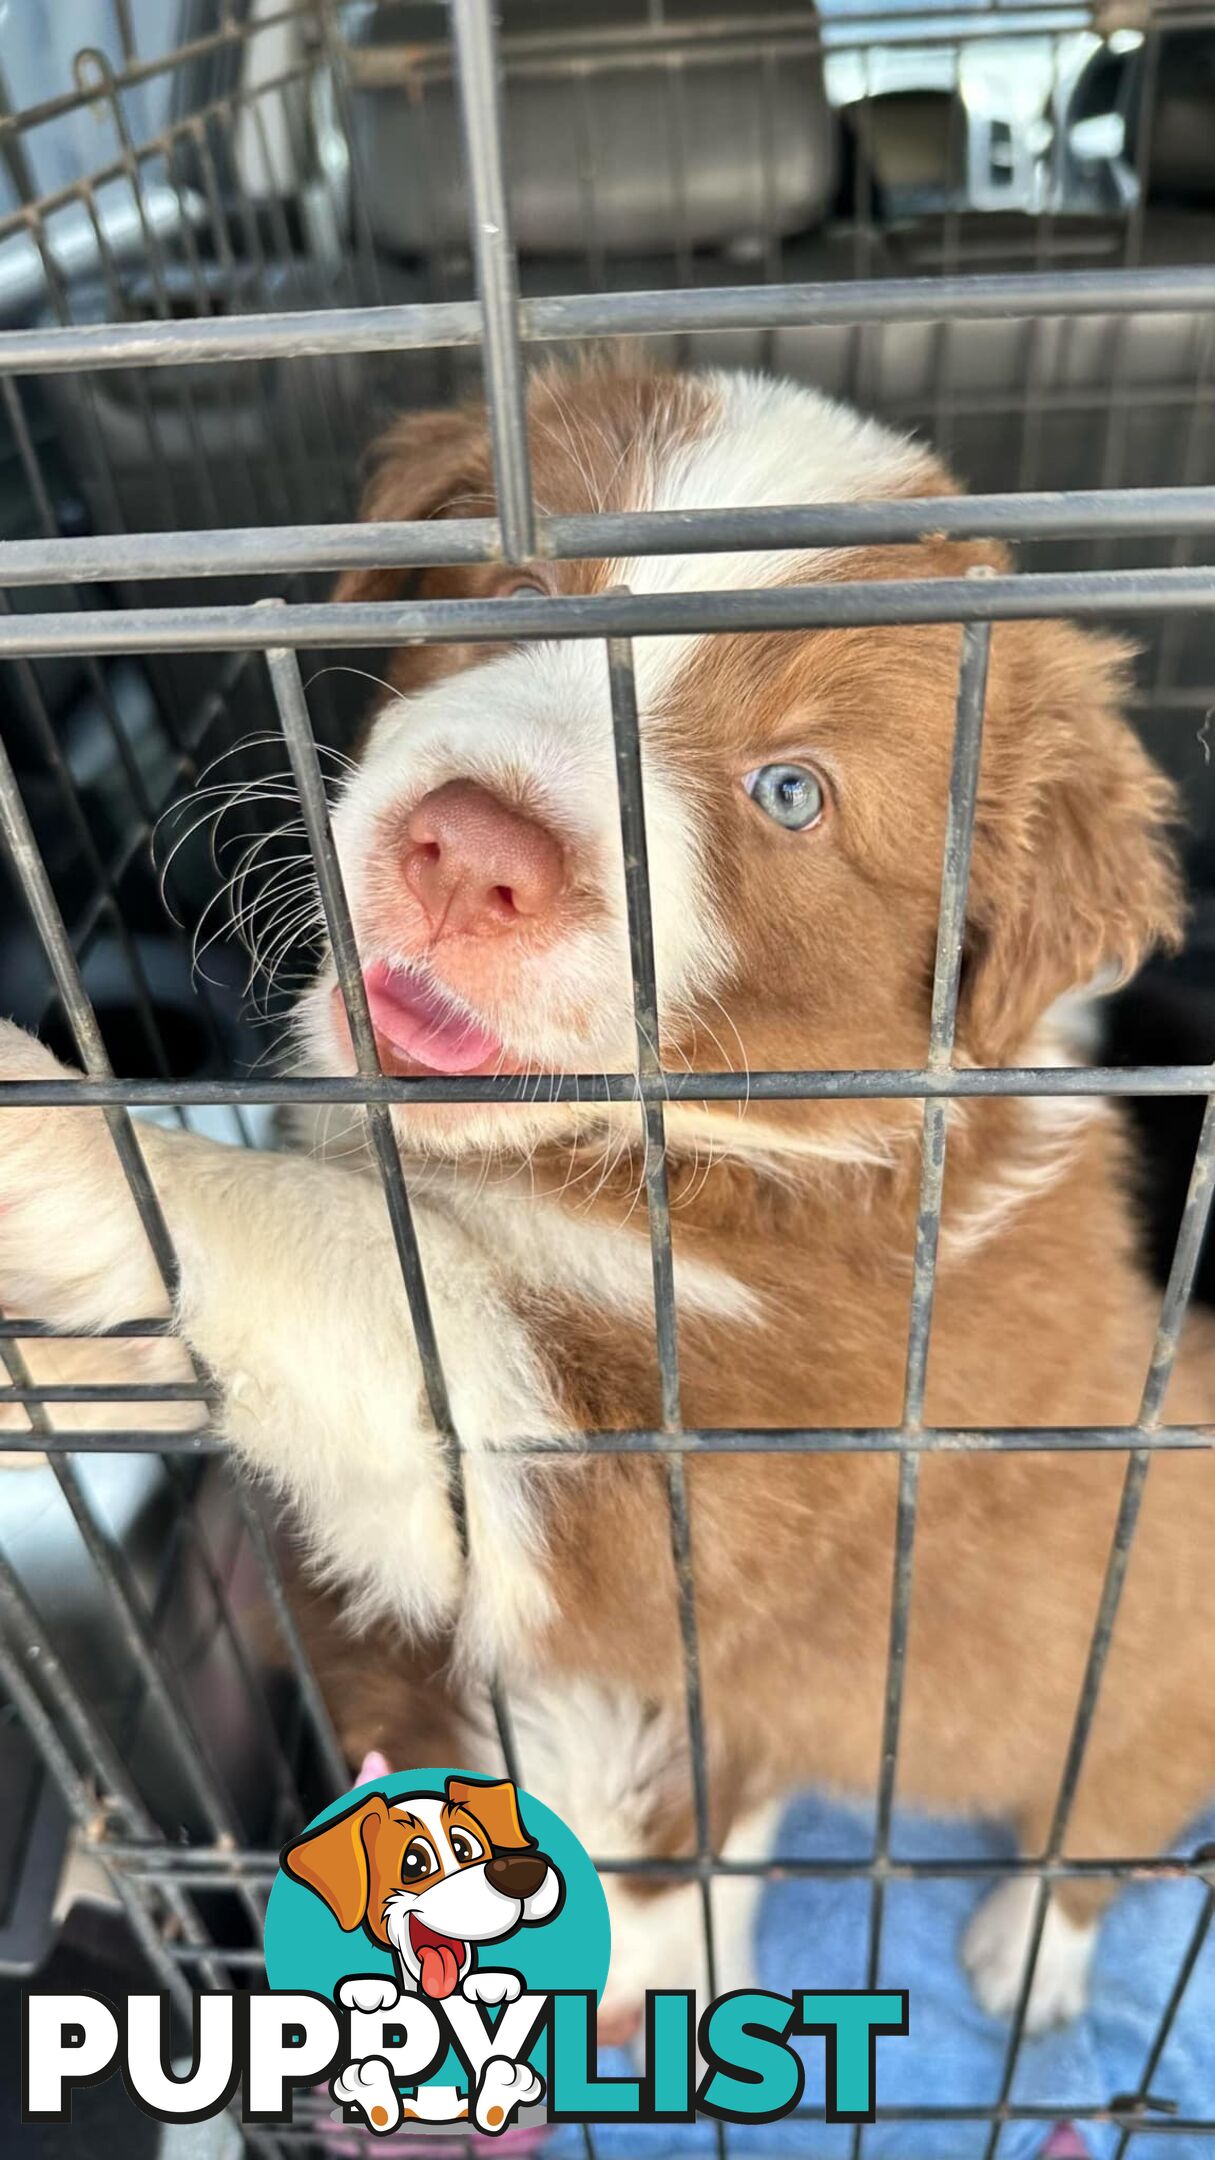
(335, 1860)
(496, 1807)
(424, 463)
(1074, 874)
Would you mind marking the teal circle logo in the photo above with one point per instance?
(423, 1903)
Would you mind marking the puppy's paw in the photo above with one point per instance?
(39, 1149)
(66, 1217)
(492, 1987)
(23, 1057)
(996, 1945)
(27, 1129)
(368, 2087)
(369, 1992)
(504, 2087)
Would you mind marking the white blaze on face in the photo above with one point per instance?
(768, 444)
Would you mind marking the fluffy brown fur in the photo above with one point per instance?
(1045, 1319)
(1043, 1316)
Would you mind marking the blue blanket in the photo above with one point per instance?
(815, 1933)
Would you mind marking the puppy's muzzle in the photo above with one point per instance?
(477, 867)
(517, 1875)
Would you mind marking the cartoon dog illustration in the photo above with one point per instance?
(431, 1876)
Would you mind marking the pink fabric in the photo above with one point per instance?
(1065, 2143)
(372, 1766)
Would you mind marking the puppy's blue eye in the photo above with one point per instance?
(791, 795)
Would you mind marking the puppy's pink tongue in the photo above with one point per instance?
(440, 1969)
(417, 1021)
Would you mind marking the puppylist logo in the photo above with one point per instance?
(436, 1945)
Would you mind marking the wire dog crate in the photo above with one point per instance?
(231, 239)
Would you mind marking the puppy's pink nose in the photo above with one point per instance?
(477, 866)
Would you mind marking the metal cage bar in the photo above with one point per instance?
(708, 1440)
(200, 1865)
(630, 789)
(273, 549)
(493, 253)
(860, 604)
(895, 1083)
(947, 973)
(420, 326)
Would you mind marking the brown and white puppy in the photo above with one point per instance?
(795, 791)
